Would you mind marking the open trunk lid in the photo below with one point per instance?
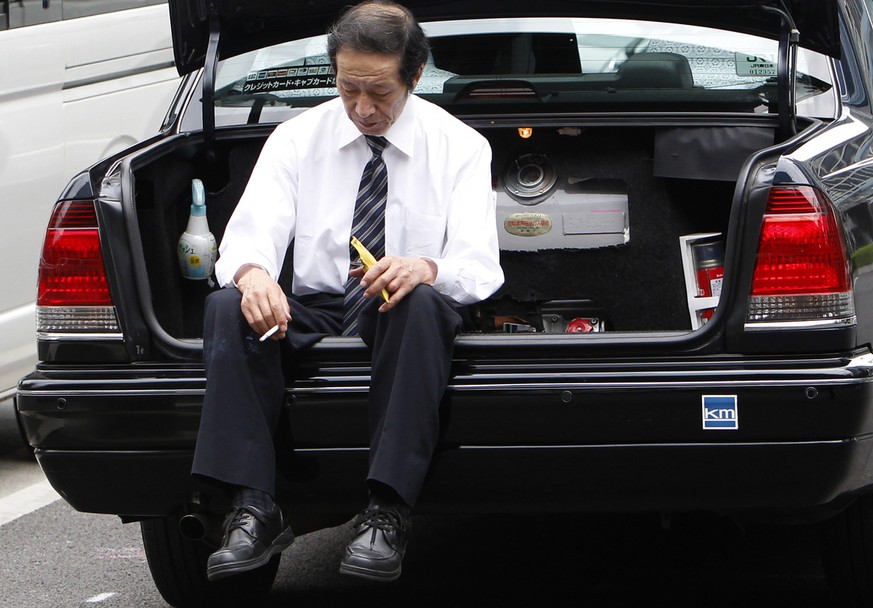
(246, 25)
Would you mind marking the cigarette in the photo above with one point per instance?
(270, 332)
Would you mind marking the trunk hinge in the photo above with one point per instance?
(210, 68)
(786, 72)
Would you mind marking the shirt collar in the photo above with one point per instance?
(400, 134)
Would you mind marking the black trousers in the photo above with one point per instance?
(411, 348)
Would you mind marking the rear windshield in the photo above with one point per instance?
(547, 65)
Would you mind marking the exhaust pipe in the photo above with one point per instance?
(201, 526)
(193, 526)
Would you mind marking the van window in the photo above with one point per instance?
(85, 8)
(33, 12)
(21, 13)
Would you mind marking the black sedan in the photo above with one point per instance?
(683, 199)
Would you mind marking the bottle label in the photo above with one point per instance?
(197, 255)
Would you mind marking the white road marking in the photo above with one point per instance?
(26, 500)
(102, 597)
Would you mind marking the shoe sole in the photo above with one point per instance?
(368, 573)
(282, 542)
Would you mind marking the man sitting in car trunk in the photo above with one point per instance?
(413, 184)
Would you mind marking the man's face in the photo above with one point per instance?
(371, 89)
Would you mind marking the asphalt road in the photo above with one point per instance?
(55, 557)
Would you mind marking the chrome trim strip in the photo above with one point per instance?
(857, 370)
(565, 446)
(659, 445)
(157, 392)
(726, 384)
(331, 449)
(59, 336)
(794, 325)
(581, 387)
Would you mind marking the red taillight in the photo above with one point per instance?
(801, 249)
(73, 299)
(802, 272)
(71, 271)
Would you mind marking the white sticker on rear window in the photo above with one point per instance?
(750, 65)
(289, 79)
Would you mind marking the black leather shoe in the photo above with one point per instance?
(376, 551)
(251, 538)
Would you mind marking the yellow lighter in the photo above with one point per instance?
(368, 260)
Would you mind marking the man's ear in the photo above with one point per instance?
(417, 77)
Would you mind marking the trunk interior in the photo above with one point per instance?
(590, 221)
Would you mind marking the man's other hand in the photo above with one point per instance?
(398, 276)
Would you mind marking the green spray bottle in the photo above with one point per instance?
(197, 247)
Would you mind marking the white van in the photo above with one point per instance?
(81, 79)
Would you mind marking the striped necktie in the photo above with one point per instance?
(368, 225)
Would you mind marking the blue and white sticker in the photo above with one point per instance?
(720, 413)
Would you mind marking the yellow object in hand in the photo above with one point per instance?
(368, 260)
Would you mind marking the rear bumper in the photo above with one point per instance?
(545, 436)
(769, 481)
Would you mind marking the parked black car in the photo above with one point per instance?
(683, 191)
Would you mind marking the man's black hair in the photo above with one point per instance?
(381, 26)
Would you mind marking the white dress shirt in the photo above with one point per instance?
(441, 205)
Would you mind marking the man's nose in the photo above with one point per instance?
(364, 106)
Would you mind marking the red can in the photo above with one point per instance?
(580, 325)
(709, 268)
